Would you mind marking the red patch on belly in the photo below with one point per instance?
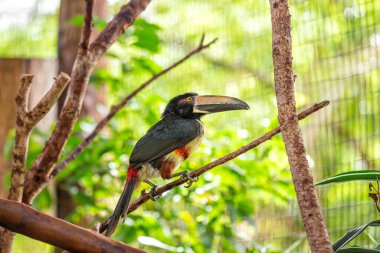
(166, 169)
(183, 152)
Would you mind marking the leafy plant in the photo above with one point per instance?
(352, 234)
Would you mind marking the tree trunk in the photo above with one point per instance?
(284, 85)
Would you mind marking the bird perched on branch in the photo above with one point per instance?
(168, 143)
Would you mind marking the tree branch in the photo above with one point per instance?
(25, 121)
(23, 219)
(196, 173)
(39, 172)
(121, 104)
(284, 85)
(87, 27)
(50, 98)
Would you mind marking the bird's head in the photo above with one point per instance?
(192, 105)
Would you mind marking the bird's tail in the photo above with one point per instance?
(123, 203)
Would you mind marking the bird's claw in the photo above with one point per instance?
(190, 179)
(152, 192)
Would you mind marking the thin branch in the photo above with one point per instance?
(25, 220)
(50, 98)
(87, 26)
(196, 173)
(284, 86)
(38, 174)
(121, 104)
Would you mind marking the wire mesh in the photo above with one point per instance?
(336, 57)
(336, 48)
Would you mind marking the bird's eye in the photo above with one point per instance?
(189, 99)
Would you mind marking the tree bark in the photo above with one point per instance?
(284, 85)
(23, 219)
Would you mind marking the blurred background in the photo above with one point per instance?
(248, 204)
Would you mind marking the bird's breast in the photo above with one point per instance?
(174, 159)
(165, 166)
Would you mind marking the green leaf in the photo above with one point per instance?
(357, 250)
(368, 175)
(352, 234)
(77, 20)
(146, 35)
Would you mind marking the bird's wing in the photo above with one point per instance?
(164, 137)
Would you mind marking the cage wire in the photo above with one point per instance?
(336, 47)
(335, 57)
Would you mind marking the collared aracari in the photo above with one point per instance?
(169, 142)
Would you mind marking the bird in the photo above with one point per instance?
(168, 143)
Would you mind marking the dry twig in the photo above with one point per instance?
(196, 173)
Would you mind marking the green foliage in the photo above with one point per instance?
(352, 234)
(146, 35)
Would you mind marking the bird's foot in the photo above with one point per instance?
(152, 194)
(186, 175)
(152, 190)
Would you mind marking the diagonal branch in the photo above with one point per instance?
(25, 220)
(38, 174)
(196, 173)
(121, 104)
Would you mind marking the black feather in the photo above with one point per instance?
(164, 137)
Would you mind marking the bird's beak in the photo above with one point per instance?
(210, 104)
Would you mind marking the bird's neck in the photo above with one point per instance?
(172, 115)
